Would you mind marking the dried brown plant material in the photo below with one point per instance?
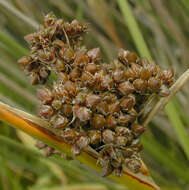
(92, 103)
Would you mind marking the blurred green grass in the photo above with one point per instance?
(163, 26)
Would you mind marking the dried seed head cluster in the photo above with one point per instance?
(92, 103)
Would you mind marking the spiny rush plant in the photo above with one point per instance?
(89, 102)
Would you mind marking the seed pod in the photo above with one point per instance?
(111, 122)
(56, 104)
(164, 91)
(25, 61)
(71, 87)
(127, 152)
(127, 103)
(114, 108)
(81, 59)
(124, 119)
(45, 111)
(94, 136)
(140, 85)
(135, 70)
(133, 164)
(80, 144)
(69, 135)
(75, 74)
(94, 55)
(44, 73)
(122, 54)
(98, 121)
(108, 136)
(125, 88)
(118, 75)
(59, 122)
(87, 79)
(44, 95)
(92, 100)
(154, 84)
(67, 55)
(168, 76)
(82, 113)
(62, 77)
(102, 108)
(121, 140)
(137, 129)
(80, 98)
(67, 110)
(60, 66)
(91, 68)
(136, 145)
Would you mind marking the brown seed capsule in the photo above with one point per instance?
(80, 144)
(114, 108)
(111, 122)
(102, 108)
(60, 66)
(87, 79)
(140, 85)
(81, 59)
(124, 119)
(44, 95)
(45, 111)
(82, 113)
(67, 109)
(98, 121)
(59, 122)
(137, 129)
(168, 76)
(62, 77)
(80, 98)
(92, 100)
(145, 73)
(131, 57)
(75, 74)
(122, 131)
(127, 103)
(125, 88)
(127, 152)
(56, 104)
(94, 54)
(91, 68)
(154, 84)
(46, 56)
(44, 73)
(118, 75)
(164, 91)
(135, 70)
(25, 60)
(94, 136)
(121, 140)
(122, 54)
(69, 135)
(136, 145)
(108, 136)
(71, 87)
(67, 54)
(133, 164)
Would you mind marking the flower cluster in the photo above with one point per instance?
(92, 103)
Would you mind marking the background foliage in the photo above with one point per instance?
(163, 24)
